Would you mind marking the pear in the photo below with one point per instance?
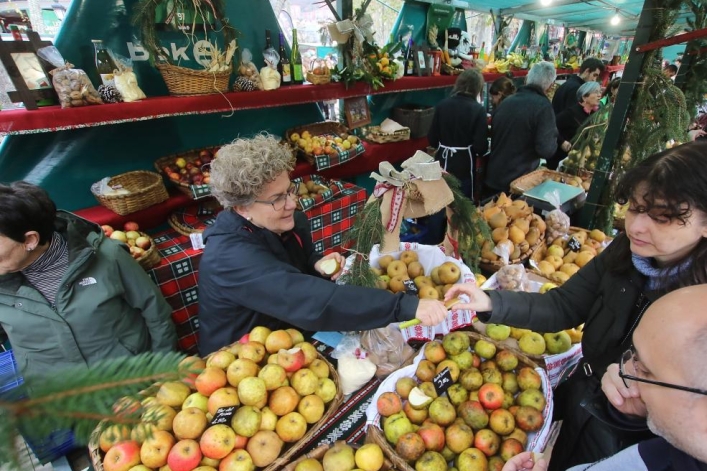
(339, 458)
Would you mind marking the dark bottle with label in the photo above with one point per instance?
(296, 61)
(410, 58)
(284, 65)
(104, 62)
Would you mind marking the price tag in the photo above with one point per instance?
(442, 381)
(223, 415)
(197, 242)
(410, 287)
(574, 245)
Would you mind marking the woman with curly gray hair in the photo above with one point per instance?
(260, 267)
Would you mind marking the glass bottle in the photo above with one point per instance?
(284, 65)
(104, 62)
(482, 51)
(296, 61)
(410, 58)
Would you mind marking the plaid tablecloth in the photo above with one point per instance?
(330, 221)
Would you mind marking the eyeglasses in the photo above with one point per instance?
(278, 204)
(628, 373)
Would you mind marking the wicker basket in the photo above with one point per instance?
(449, 70)
(491, 266)
(193, 191)
(287, 455)
(315, 79)
(416, 117)
(315, 129)
(374, 134)
(201, 215)
(529, 181)
(375, 435)
(151, 258)
(146, 189)
(182, 81)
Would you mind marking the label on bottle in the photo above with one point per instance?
(297, 73)
(286, 73)
(108, 79)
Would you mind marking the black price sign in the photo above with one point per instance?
(410, 287)
(223, 415)
(442, 381)
(574, 245)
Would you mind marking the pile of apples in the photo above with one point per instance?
(534, 343)
(513, 227)
(137, 241)
(560, 262)
(191, 170)
(275, 384)
(343, 457)
(326, 144)
(393, 273)
(479, 423)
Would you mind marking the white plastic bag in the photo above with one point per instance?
(126, 80)
(558, 223)
(73, 86)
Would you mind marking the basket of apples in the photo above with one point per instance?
(189, 171)
(342, 456)
(142, 247)
(253, 404)
(466, 402)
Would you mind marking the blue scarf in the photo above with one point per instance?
(657, 276)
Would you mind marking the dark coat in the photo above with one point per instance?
(459, 121)
(659, 455)
(609, 304)
(248, 277)
(566, 95)
(568, 122)
(523, 131)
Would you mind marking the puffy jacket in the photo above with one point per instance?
(609, 304)
(247, 278)
(106, 307)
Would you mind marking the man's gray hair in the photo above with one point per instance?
(542, 74)
(586, 89)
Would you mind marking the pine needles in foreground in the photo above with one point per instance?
(365, 233)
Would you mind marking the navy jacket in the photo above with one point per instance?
(522, 132)
(566, 95)
(250, 276)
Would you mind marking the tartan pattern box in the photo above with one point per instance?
(331, 221)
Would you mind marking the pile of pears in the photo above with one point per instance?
(480, 421)
(559, 262)
(513, 226)
(392, 274)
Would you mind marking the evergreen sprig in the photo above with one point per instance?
(365, 233)
(79, 398)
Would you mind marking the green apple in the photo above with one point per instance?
(465, 360)
(498, 332)
(196, 400)
(485, 349)
(558, 342)
(531, 398)
(517, 333)
(455, 343)
(532, 343)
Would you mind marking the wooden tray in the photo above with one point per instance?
(289, 450)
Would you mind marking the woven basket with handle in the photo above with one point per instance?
(530, 180)
(146, 189)
(182, 81)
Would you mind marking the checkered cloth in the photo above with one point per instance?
(200, 191)
(176, 276)
(330, 221)
(339, 157)
(196, 217)
(304, 203)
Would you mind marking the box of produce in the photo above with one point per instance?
(314, 190)
(252, 404)
(326, 144)
(466, 402)
(189, 171)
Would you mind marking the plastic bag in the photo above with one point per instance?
(354, 373)
(103, 189)
(513, 278)
(269, 74)
(72, 85)
(126, 80)
(248, 77)
(558, 223)
(387, 349)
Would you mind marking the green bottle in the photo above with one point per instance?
(296, 61)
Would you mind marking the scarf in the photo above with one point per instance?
(590, 109)
(46, 272)
(657, 276)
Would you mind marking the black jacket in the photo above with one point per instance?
(659, 455)
(566, 95)
(250, 276)
(609, 304)
(568, 122)
(459, 121)
(523, 131)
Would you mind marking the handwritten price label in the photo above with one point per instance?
(223, 415)
(442, 381)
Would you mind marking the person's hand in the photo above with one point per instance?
(625, 400)
(478, 300)
(430, 312)
(696, 133)
(339, 259)
(566, 146)
(525, 462)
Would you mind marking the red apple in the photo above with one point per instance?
(107, 230)
(184, 456)
(433, 436)
(487, 441)
(131, 226)
(197, 179)
(509, 448)
(491, 396)
(291, 360)
(143, 242)
(217, 441)
(122, 456)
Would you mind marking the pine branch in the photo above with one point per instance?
(365, 233)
